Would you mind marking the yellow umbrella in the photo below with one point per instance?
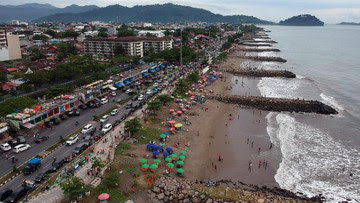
(178, 125)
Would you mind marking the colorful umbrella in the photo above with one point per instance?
(170, 165)
(143, 161)
(171, 110)
(168, 159)
(145, 166)
(182, 157)
(103, 197)
(183, 110)
(172, 122)
(178, 125)
(162, 136)
(183, 153)
(173, 156)
(179, 112)
(153, 166)
(180, 170)
(180, 163)
(157, 161)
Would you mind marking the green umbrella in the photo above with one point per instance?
(173, 156)
(181, 163)
(145, 166)
(157, 161)
(183, 153)
(153, 166)
(182, 157)
(168, 159)
(180, 170)
(162, 136)
(143, 161)
(170, 165)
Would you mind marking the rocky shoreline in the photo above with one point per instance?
(265, 58)
(185, 191)
(259, 50)
(261, 73)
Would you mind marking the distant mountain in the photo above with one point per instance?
(348, 23)
(164, 13)
(302, 20)
(32, 11)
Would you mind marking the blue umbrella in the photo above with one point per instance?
(165, 154)
(166, 133)
(158, 147)
(149, 146)
(169, 150)
(155, 153)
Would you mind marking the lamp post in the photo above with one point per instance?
(181, 63)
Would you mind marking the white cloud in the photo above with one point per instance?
(337, 15)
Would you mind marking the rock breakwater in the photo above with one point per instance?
(261, 72)
(259, 50)
(265, 58)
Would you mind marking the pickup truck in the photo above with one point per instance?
(32, 165)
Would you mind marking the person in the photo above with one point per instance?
(247, 141)
(54, 158)
(271, 145)
(252, 144)
(77, 123)
(259, 150)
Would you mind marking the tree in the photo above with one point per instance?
(13, 104)
(40, 37)
(165, 98)
(36, 54)
(73, 186)
(193, 77)
(148, 34)
(204, 61)
(119, 50)
(97, 163)
(167, 33)
(154, 105)
(133, 126)
(70, 33)
(124, 32)
(52, 33)
(181, 87)
(65, 50)
(3, 77)
(102, 34)
(121, 60)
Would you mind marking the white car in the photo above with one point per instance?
(149, 92)
(104, 119)
(72, 140)
(6, 147)
(87, 128)
(141, 97)
(128, 91)
(155, 84)
(114, 112)
(106, 128)
(21, 147)
(104, 101)
(113, 94)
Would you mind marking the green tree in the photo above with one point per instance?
(125, 32)
(73, 186)
(102, 34)
(121, 60)
(165, 98)
(154, 105)
(70, 33)
(3, 77)
(52, 33)
(193, 77)
(133, 126)
(119, 50)
(111, 181)
(181, 87)
(97, 163)
(204, 61)
(65, 50)
(148, 34)
(40, 37)
(167, 33)
(36, 54)
(13, 104)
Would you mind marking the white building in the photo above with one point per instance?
(9, 46)
(157, 33)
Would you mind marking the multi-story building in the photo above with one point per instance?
(3, 40)
(9, 46)
(132, 46)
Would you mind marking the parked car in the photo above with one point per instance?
(21, 147)
(56, 121)
(106, 128)
(141, 97)
(77, 112)
(104, 101)
(128, 106)
(5, 193)
(18, 194)
(69, 113)
(113, 94)
(39, 177)
(104, 119)
(21, 140)
(72, 140)
(62, 116)
(57, 165)
(41, 139)
(88, 139)
(114, 112)
(87, 128)
(82, 106)
(134, 98)
(13, 142)
(5, 147)
(80, 147)
(149, 92)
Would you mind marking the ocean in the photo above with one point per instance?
(320, 153)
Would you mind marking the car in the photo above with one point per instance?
(39, 178)
(41, 139)
(69, 113)
(5, 147)
(114, 112)
(106, 128)
(88, 139)
(113, 94)
(21, 140)
(56, 121)
(13, 142)
(104, 119)
(155, 84)
(80, 147)
(128, 91)
(5, 193)
(57, 164)
(82, 106)
(87, 128)
(141, 97)
(149, 92)
(72, 140)
(128, 106)
(21, 147)
(104, 101)
(62, 116)
(18, 194)
(134, 98)
(77, 112)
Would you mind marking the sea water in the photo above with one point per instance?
(320, 153)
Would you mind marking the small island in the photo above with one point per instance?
(302, 20)
(348, 23)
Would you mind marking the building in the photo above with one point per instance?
(133, 46)
(9, 46)
(156, 33)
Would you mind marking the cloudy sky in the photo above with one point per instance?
(330, 11)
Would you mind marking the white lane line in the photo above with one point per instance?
(68, 125)
(51, 134)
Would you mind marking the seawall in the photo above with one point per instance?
(261, 73)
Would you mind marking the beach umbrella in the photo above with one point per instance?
(162, 136)
(174, 113)
(103, 197)
(180, 163)
(143, 161)
(183, 153)
(182, 157)
(179, 112)
(183, 110)
(178, 125)
(170, 165)
(157, 161)
(145, 166)
(180, 170)
(172, 122)
(169, 150)
(166, 133)
(165, 154)
(173, 156)
(153, 166)
(171, 110)
(168, 159)
(155, 153)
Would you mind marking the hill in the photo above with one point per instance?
(32, 11)
(302, 20)
(348, 23)
(162, 13)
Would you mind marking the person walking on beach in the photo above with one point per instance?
(215, 167)
(259, 164)
(252, 144)
(259, 150)
(250, 165)
(271, 145)
(247, 141)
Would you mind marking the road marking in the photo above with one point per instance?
(51, 134)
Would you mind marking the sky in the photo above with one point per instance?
(329, 11)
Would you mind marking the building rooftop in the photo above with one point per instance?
(128, 39)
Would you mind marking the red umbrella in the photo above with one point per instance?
(179, 112)
(172, 122)
(171, 110)
(103, 197)
(183, 110)
(174, 113)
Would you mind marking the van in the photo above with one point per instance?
(80, 147)
(87, 128)
(18, 194)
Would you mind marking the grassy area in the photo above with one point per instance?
(145, 135)
(221, 193)
(6, 177)
(122, 148)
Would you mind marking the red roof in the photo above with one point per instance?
(8, 86)
(201, 36)
(11, 69)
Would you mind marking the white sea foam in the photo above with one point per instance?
(329, 100)
(279, 88)
(312, 161)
